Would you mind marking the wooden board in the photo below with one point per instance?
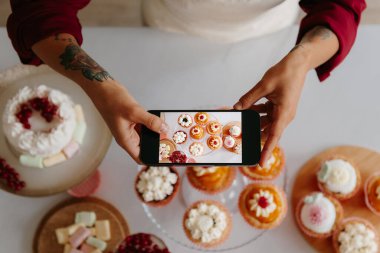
(367, 161)
(63, 215)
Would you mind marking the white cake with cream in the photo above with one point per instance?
(43, 126)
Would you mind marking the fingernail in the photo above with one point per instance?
(238, 105)
(164, 128)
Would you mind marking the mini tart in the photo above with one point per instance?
(358, 234)
(178, 157)
(185, 120)
(166, 148)
(318, 205)
(231, 144)
(179, 137)
(142, 242)
(372, 193)
(336, 175)
(270, 171)
(220, 221)
(214, 127)
(196, 149)
(233, 129)
(211, 180)
(263, 206)
(197, 132)
(168, 198)
(201, 118)
(214, 142)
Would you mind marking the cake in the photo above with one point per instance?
(214, 142)
(166, 148)
(318, 215)
(263, 206)
(214, 127)
(271, 170)
(356, 235)
(233, 129)
(196, 149)
(339, 178)
(211, 180)
(197, 132)
(142, 242)
(157, 186)
(372, 193)
(185, 120)
(207, 223)
(179, 137)
(43, 126)
(201, 118)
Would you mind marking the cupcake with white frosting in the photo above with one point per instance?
(339, 177)
(157, 186)
(179, 137)
(318, 215)
(196, 149)
(356, 235)
(207, 223)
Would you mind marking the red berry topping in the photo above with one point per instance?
(263, 202)
(201, 117)
(178, 157)
(10, 177)
(317, 215)
(142, 243)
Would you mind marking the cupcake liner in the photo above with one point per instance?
(87, 187)
(341, 196)
(225, 234)
(252, 221)
(367, 185)
(163, 202)
(308, 232)
(202, 188)
(352, 219)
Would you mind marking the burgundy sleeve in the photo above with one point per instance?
(34, 20)
(342, 17)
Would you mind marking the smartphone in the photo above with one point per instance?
(207, 137)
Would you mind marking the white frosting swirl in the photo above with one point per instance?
(200, 171)
(196, 149)
(229, 142)
(357, 237)
(164, 151)
(235, 131)
(185, 120)
(179, 137)
(262, 203)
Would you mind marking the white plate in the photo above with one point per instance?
(58, 178)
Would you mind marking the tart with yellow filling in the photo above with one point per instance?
(214, 142)
(263, 206)
(214, 127)
(211, 179)
(197, 132)
(372, 193)
(201, 118)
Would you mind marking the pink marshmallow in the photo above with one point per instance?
(79, 237)
(71, 149)
(87, 248)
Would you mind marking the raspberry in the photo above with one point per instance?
(141, 243)
(263, 202)
(10, 176)
(178, 157)
(47, 109)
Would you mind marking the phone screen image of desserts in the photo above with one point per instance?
(201, 137)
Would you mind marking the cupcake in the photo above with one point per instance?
(201, 118)
(233, 129)
(179, 137)
(214, 127)
(372, 193)
(339, 178)
(211, 179)
(196, 149)
(207, 223)
(263, 206)
(142, 242)
(157, 186)
(214, 142)
(178, 157)
(271, 170)
(197, 132)
(166, 148)
(318, 215)
(185, 120)
(355, 235)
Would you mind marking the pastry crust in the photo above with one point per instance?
(180, 131)
(182, 124)
(371, 184)
(198, 135)
(198, 121)
(212, 138)
(251, 220)
(211, 131)
(226, 232)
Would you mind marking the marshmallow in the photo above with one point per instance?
(87, 218)
(87, 248)
(79, 113)
(72, 228)
(67, 248)
(79, 237)
(79, 132)
(71, 149)
(55, 159)
(31, 161)
(103, 231)
(97, 243)
(93, 231)
(75, 251)
(62, 235)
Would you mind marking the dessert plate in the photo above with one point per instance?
(58, 178)
(366, 160)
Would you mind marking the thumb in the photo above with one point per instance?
(251, 97)
(151, 121)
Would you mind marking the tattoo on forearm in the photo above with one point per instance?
(318, 32)
(75, 58)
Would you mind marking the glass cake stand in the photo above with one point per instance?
(168, 219)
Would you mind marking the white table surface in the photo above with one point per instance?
(168, 71)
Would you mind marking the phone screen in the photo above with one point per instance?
(202, 137)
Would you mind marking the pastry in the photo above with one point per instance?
(233, 129)
(197, 132)
(142, 242)
(318, 215)
(231, 144)
(214, 142)
(201, 118)
(43, 126)
(339, 178)
(356, 235)
(166, 148)
(196, 149)
(207, 223)
(263, 206)
(157, 186)
(211, 179)
(214, 127)
(179, 137)
(185, 120)
(372, 193)
(178, 157)
(272, 169)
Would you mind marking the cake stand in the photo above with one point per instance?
(58, 178)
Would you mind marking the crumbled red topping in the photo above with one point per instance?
(10, 176)
(139, 243)
(178, 157)
(263, 202)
